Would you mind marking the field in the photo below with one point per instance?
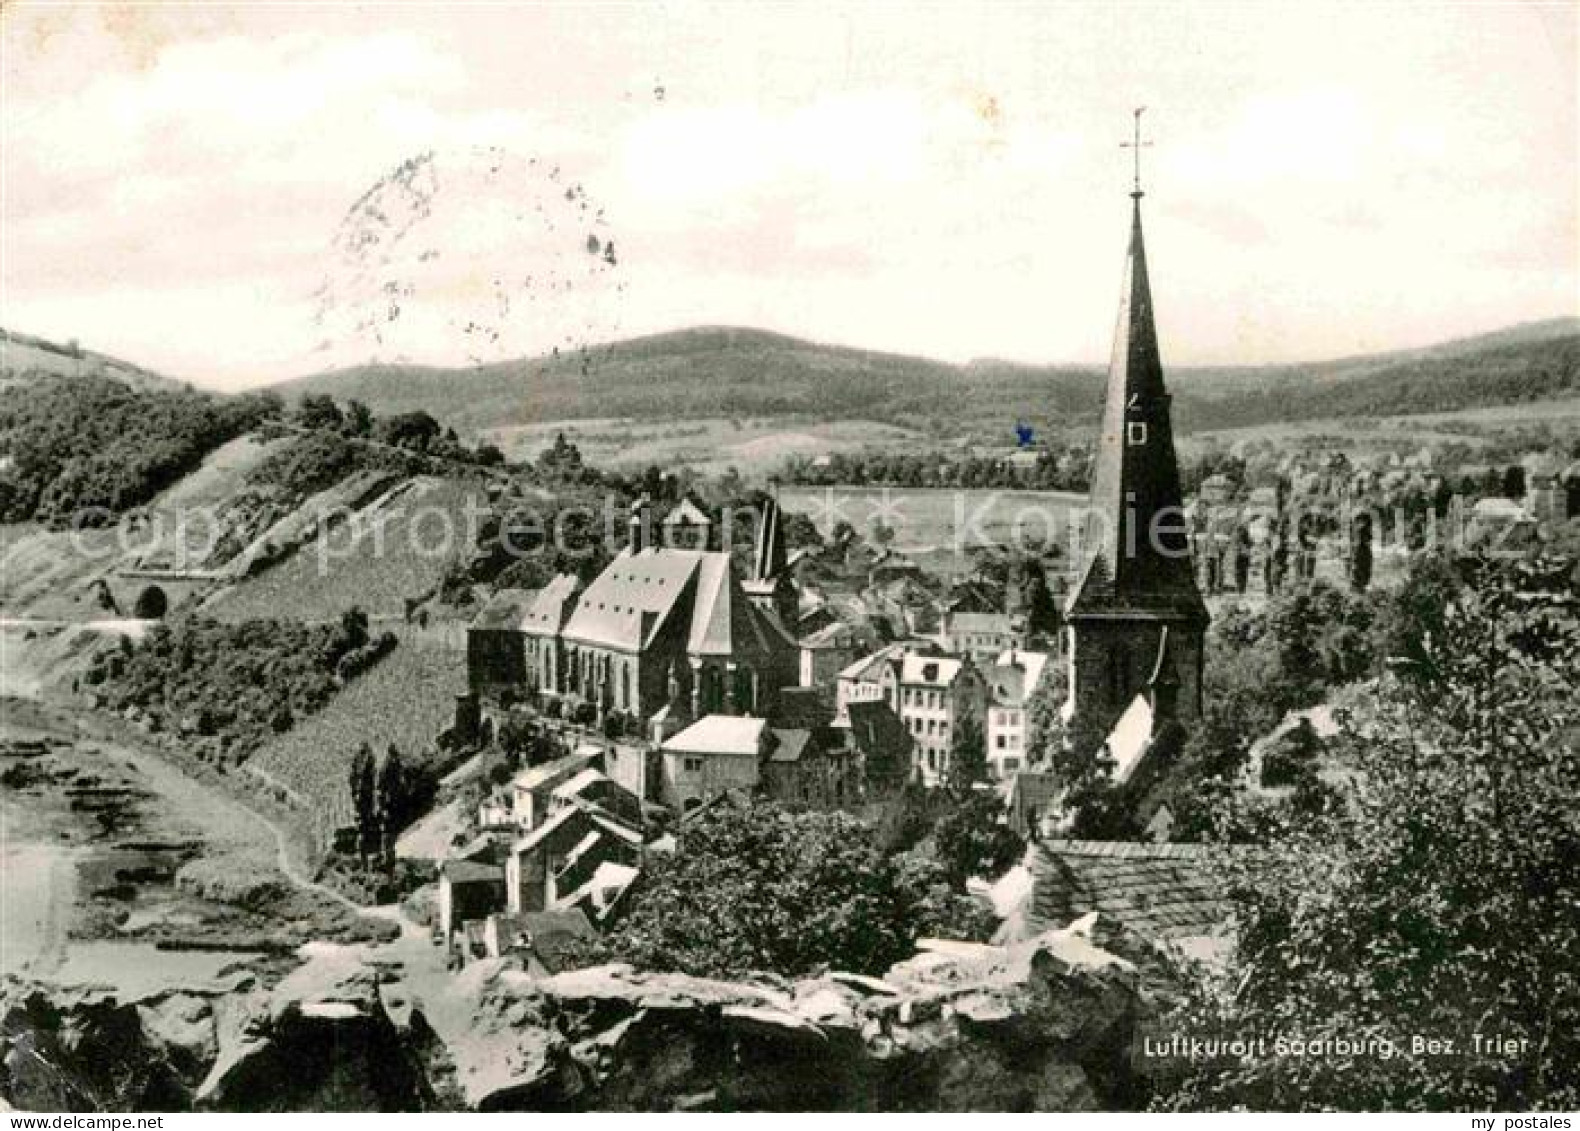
(939, 526)
(395, 551)
(754, 446)
(48, 573)
(406, 699)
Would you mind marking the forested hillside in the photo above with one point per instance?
(71, 446)
(750, 373)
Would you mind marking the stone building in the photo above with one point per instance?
(660, 629)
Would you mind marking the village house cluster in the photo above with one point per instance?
(682, 677)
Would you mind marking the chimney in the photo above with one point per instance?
(640, 528)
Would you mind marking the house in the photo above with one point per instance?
(686, 527)
(1012, 680)
(936, 693)
(467, 890)
(1023, 462)
(873, 678)
(525, 800)
(495, 646)
(981, 636)
(562, 854)
(545, 942)
(804, 768)
(715, 754)
(830, 650)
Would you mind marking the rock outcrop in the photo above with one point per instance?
(1044, 1024)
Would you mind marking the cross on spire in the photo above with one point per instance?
(1137, 145)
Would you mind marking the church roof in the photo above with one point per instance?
(1132, 567)
(636, 595)
(546, 614)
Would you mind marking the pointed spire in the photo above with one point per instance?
(1137, 546)
(770, 561)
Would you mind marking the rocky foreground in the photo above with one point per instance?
(1045, 1024)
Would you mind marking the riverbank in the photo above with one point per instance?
(122, 870)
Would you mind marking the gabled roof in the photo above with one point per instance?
(869, 668)
(471, 872)
(1131, 567)
(1016, 675)
(550, 774)
(973, 621)
(624, 605)
(720, 734)
(791, 744)
(597, 818)
(1159, 891)
(687, 514)
(548, 611)
(582, 781)
(930, 671)
(506, 609)
(627, 605)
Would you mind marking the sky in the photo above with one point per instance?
(240, 194)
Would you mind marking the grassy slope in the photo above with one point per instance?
(23, 353)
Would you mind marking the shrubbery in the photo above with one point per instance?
(237, 682)
(761, 888)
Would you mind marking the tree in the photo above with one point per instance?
(364, 800)
(1437, 900)
(758, 888)
(318, 411)
(414, 431)
(1360, 555)
(967, 753)
(392, 799)
(358, 419)
(972, 839)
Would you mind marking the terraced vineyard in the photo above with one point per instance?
(394, 550)
(407, 698)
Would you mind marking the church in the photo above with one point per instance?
(669, 629)
(1134, 617)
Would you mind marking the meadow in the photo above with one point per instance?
(940, 526)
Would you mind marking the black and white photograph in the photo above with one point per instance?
(692, 556)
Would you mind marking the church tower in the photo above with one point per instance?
(1134, 617)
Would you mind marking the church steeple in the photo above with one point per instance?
(1136, 545)
(1135, 618)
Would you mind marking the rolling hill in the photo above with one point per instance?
(718, 372)
(26, 356)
